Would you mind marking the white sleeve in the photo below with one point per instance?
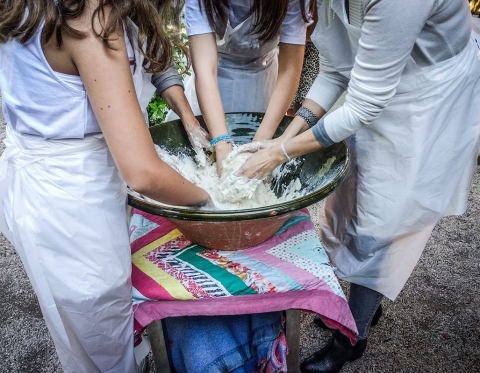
(389, 33)
(196, 20)
(294, 27)
(328, 86)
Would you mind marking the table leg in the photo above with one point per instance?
(292, 332)
(159, 347)
(129, 213)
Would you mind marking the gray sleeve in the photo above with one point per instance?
(167, 79)
(321, 135)
(328, 86)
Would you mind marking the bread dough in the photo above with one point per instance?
(230, 192)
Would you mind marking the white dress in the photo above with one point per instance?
(64, 208)
(412, 121)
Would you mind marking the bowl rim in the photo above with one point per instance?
(180, 212)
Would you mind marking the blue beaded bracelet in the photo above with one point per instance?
(226, 138)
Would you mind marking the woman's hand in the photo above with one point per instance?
(262, 163)
(199, 138)
(222, 150)
(254, 146)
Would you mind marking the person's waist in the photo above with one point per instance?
(246, 55)
(246, 63)
(37, 146)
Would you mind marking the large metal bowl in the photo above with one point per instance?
(240, 229)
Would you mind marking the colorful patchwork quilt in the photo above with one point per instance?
(173, 276)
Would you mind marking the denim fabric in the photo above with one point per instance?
(363, 303)
(214, 344)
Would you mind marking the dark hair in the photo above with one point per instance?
(20, 19)
(268, 16)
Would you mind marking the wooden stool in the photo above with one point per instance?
(292, 321)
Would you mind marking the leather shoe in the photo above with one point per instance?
(334, 355)
(378, 313)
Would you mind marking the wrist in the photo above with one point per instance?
(222, 139)
(263, 133)
(287, 135)
(189, 120)
(277, 155)
(223, 147)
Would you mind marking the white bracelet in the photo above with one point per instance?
(285, 152)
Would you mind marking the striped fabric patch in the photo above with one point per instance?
(263, 278)
(231, 282)
(294, 250)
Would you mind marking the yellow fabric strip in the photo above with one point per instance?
(169, 283)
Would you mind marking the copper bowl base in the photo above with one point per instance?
(231, 235)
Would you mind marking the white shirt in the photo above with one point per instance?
(292, 31)
(39, 101)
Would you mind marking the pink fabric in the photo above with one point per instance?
(166, 265)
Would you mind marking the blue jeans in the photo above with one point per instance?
(363, 303)
(214, 344)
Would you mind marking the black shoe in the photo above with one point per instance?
(334, 355)
(378, 313)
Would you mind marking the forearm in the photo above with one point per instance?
(203, 49)
(277, 107)
(159, 181)
(290, 68)
(211, 105)
(302, 144)
(294, 147)
(168, 79)
(106, 75)
(174, 96)
(328, 85)
(298, 124)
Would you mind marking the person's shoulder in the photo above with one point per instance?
(91, 19)
(196, 20)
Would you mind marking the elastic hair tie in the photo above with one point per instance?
(221, 138)
(285, 152)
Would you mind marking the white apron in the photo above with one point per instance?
(64, 211)
(411, 166)
(247, 72)
(476, 32)
(65, 207)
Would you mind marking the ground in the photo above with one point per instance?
(433, 326)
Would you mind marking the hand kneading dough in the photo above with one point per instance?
(230, 192)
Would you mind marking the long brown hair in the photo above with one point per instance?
(159, 19)
(268, 16)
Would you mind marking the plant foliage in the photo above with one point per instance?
(157, 108)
